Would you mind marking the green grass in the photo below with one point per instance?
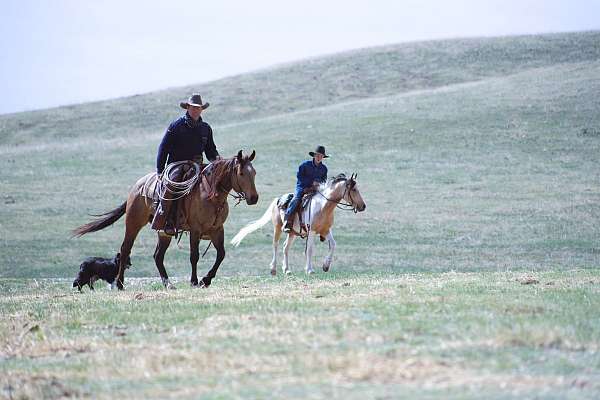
(478, 161)
(354, 335)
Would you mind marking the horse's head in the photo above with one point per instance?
(352, 194)
(244, 177)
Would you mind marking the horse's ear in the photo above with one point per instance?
(239, 156)
(252, 155)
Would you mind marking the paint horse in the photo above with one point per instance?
(206, 211)
(318, 217)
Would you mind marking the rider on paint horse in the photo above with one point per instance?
(311, 174)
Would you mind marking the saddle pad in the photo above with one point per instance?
(284, 200)
(148, 186)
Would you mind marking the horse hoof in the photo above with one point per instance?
(203, 285)
(288, 272)
(310, 272)
(273, 272)
(325, 268)
(167, 283)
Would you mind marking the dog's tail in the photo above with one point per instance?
(255, 225)
(105, 220)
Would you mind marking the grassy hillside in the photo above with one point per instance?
(472, 154)
(318, 82)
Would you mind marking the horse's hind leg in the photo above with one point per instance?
(130, 235)
(136, 217)
(286, 249)
(276, 237)
(159, 256)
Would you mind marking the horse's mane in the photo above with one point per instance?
(337, 178)
(215, 172)
(332, 181)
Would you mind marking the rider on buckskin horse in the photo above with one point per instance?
(186, 139)
(310, 174)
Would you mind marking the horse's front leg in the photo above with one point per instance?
(159, 257)
(286, 251)
(310, 250)
(218, 240)
(194, 256)
(329, 257)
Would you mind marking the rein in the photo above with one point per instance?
(340, 204)
(239, 196)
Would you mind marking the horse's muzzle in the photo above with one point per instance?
(363, 208)
(252, 200)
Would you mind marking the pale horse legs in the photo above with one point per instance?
(310, 251)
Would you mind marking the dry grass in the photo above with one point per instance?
(356, 335)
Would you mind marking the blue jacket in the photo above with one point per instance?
(185, 140)
(309, 172)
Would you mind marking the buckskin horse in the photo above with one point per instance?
(318, 217)
(206, 211)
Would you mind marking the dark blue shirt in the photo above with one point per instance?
(309, 172)
(185, 139)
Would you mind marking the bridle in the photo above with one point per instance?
(239, 196)
(347, 190)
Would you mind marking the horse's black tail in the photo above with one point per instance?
(105, 220)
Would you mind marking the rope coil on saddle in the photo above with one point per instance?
(178, 189)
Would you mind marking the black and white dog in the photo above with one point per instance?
(94, 268)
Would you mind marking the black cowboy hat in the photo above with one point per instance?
(194, 100)
(320, 150)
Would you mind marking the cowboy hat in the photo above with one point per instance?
(319, 150)
(194, 100)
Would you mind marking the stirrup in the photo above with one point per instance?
(287, 228)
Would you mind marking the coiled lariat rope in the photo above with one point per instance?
(178, 190)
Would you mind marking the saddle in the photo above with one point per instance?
(284, 201)
(169, 192)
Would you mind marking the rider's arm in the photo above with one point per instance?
(323, 177)
(211, 149)
(164, 148)
(301, 175)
